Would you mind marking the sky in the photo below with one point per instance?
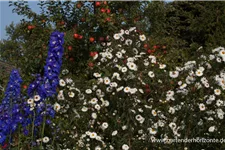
(7, 17)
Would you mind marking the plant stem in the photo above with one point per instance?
(43, 127)
(32, 138)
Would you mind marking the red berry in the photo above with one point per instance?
(101, 39)
(91, 39)
(108, 11)
(108, 19)
(102, 10)
(25, 86)
(70, 48)
(149, 51)
(97, 4)
(147, 90)
(145, 45)
(80, 37)
(76, 35)
(90, 64)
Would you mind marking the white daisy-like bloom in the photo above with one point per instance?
(219, 103)
(161, 123)
(135, 51)
(114, 133)
(151, 74)
(106, 103)
(212, 129)
(162, 66)
(71, 94)
(222, 53)
(146, 62)
(220, 115)
(125, 147)
(37, 98)
(94, 101)
(124, 69)
(45, 139)
(198, 73)
(93, 135)
(133, 90)
(113, 84)
(154, 113)
(94, 115)
(211, 57)
(96, 75)
(121, 32)
(60, 96)
(217, 91)
(109, 55)
(95, 57)
(98, 107)
(170, 93)
(116, 36)
(172, 125)
(127, 32)
(57, 107)
(100, 80)
(97, 148)
(132, 66)
(127, 89)
(69, 80)
(119, 89)
(142, 37)
(84, 109)
(202, 107)
(124, 127)
(139, 118)
(152, 131)
(105, 125)
(141, 91)
(174, 74)
(171, 110)
(130, 60)
(132, 29)
(128, 42)
(106, 80)
(201, 68)
(218, 60)
(30, 101)
(184, 85)
(206, 85)
(62, 83)
(119, 54)
(88, 91)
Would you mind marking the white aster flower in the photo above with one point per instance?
(151, 74)
(71, 94)
(105, 125)
(199, 73)
(172, 125)
(174, 74)
(106, 80)
(94, 101)
(152, 131)
(202, 107)
(94, 115)
(45, 139)
(212, 129)
(57, 107)
(88, 91)
(114, 133)
(142, 37)
(171, 110)
(132, 66)
(154, 113)
(124, 69)
(37, 98)
(125, 147)
(84, 109)
(30, 101)
(116, 36)
(93, 135)
(62, 82)
(97, 75)
(217, 91)
(127, 89)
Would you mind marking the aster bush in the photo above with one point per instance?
(134, 96)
